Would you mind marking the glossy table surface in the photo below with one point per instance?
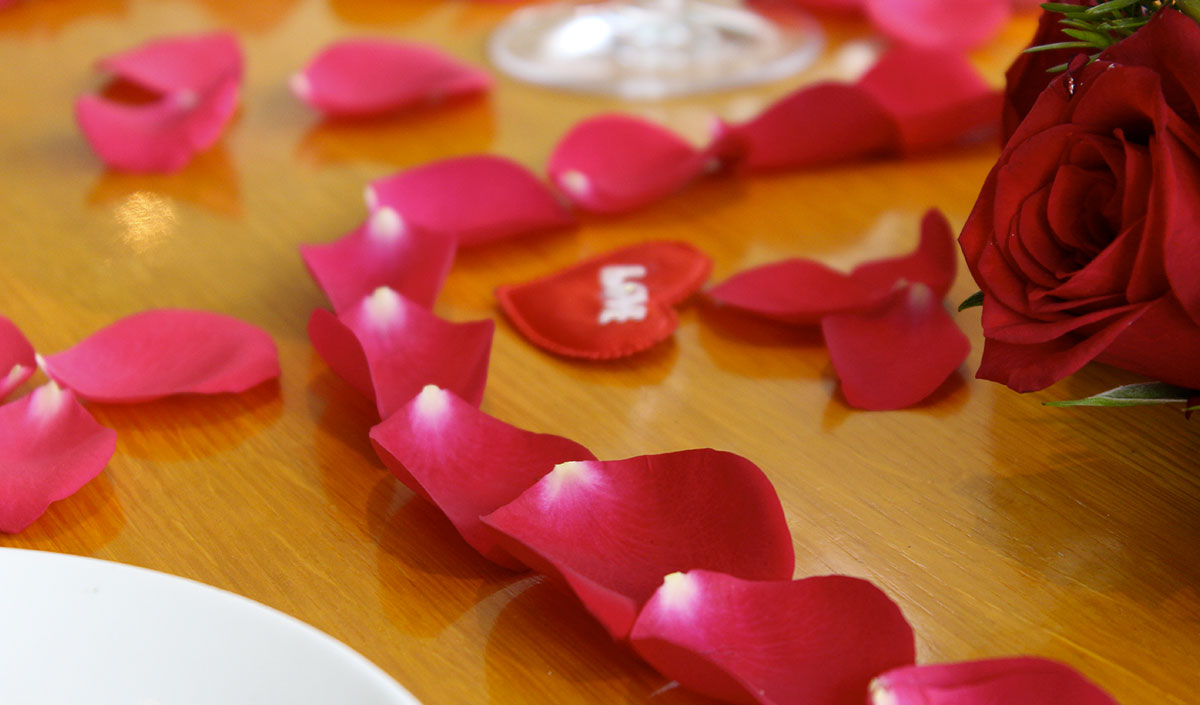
(1000, 526)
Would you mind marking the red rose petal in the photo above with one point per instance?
(896, 354)
(477, 199)
(817, 641)
(17, 360)
(466, 462)
(934, 263)
(616, 163)
(366, 77)
(827, 123)
(609, 306)
(936, 98)
(163, 352)
(50, 446)
(389, 348)
(610, 530)
(197, 79)
(381, 252)
(1024, 680)
(803, 291)
(939, 24)
(793, 291)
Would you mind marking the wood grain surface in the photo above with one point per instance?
(1000, 526)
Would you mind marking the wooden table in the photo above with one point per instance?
(1000, 526)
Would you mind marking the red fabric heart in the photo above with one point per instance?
(609, 306)
(610, 530)
(477, 199)
(1024, 680)
(367, 77)
(17, 360)
(163, 352)
(50, 446)
(196, 79)
(466, 462)
(381, 252)
(817, 641)
(389, 348)
(616, 163)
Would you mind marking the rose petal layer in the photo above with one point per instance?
(367, 77)
(381, 252)
(609, 306)
(50, 446)
(817, 641)
(163, 352)
(616, 163)
(466, 462)
(610, 530)
(1025, 680)
(389, 348)
(17, 360)
(477, 199)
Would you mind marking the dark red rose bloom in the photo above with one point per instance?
(1086, 236)
(1029, 75)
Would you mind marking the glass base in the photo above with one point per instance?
(648, 49)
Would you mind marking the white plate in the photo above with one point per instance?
(79, 630)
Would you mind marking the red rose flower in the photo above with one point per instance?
(1029, 75)
(1086, 236)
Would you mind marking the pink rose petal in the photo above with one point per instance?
(827, 123)
(960, 24)
(381, 252)
(610, 530)
(163, 352)
(616, 163)
(367, 77)
(466, 462)
(389, 348)
(609, 306)
(477, 199)
(17, 360)
(50, 446)
(896, 354)
(196, 80)
(936, 98)
(817, 641)
(1024, 680)
(803, 291)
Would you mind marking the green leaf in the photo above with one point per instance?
(1105, 8)
(1140, 394)
(1063, 8)
(1058, 45)
(1096, 39)
(971, 301)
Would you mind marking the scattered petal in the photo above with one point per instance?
(195, 80)
(17, 360)
(477, 199)
(951, 104)
(827, 123)
(389, 348)
(609, 306)
(368, 77)
(610, 530)
(163, 352)
(1025, 680)
(466, 462)
(381, 252)
(939, 24)
(803, 291)
(896, 354)
(616, 163)
(50, 446)
(817, 641)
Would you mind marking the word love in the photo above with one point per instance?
(624, 299)
(639, 287)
